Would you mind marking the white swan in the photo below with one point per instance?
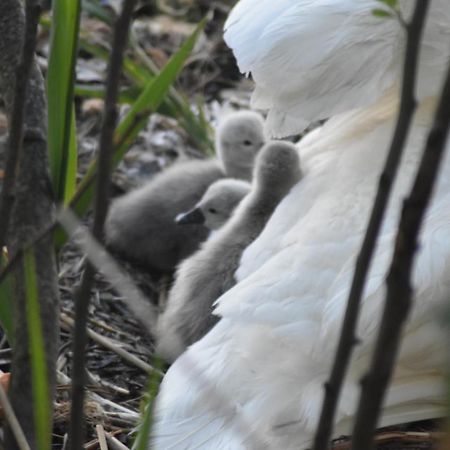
(256, 379)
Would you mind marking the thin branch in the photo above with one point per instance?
(348, 338)
(12, 421)
(64, 379)
(100, 210)
(15, 259)
(399, 290)
(101, 437)
(111, 345)
(401, 439)
(114, 443)
(14, 148)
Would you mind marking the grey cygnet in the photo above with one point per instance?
(141, 226)
(217, 204)
(207, 274)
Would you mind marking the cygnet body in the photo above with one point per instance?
(141, 226)
(207, 274)
(217, 204)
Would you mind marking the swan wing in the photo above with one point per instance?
(196, 409)
(312, 59)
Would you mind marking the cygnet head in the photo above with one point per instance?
(217, 204)
(239, 138)
(277, 169)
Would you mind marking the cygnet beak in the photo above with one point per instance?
(193, 216)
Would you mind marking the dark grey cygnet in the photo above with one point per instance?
(217, 204)
(141, 226)
(207, 274)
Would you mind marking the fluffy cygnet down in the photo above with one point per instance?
(217, 204)
(140, 225)
(206, 275)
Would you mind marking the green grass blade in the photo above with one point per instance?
(176, 104)
(41, 399)
(72, 162)
(6, 305)
(152, 96)
(143, 435)
(141, 72)
(128, 95)
(98, 11)
(60, 85)
(135, 120)
(133, 71)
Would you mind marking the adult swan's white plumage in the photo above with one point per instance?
(312, 59)
(255, 380)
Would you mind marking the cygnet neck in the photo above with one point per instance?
(236, 169)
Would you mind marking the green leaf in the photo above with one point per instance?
(39, 377)
(135, 120)
(143, 435)
(140, 71)
(134, 72)
(390, 3)
(98, 11)
(381, 13)
(60, 85)
(69, 168)
(128, 95)
(7, 305)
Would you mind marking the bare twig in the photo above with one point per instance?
(12, 421)
(348, 339)
(101, 437)
(100, 210)
(111, 345)
(114, 443)
(16, 258)
(399, 290)
(133, 416)
(400, 439)
(14, 148)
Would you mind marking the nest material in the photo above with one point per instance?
(402, 440)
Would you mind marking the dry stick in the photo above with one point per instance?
(101, 437)
(15, 139)
(11, 418)
(111, 345)
(401, 439)
(347, 338)
(64, 379)
(399, 291)
(16, 258)
(114, 443)
(100, 209)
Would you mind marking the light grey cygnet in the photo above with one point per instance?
(207, 274)
(141, 226)
(217, 204)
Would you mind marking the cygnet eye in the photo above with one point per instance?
(212, 210)
(247, 142)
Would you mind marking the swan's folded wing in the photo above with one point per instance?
(431, 275)
(197, 406)
(313, 59)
